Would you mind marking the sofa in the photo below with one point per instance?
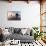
(17, 34)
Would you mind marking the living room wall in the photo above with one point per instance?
(30, 14)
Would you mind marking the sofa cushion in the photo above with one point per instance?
(23, 31)
(17, 30)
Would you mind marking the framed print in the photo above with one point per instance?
(14, 15)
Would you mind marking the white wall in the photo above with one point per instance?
(30, 14)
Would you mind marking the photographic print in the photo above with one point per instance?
(14, 15)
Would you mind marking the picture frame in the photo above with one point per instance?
(14, 15)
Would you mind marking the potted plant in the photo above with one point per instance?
(37, 33)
